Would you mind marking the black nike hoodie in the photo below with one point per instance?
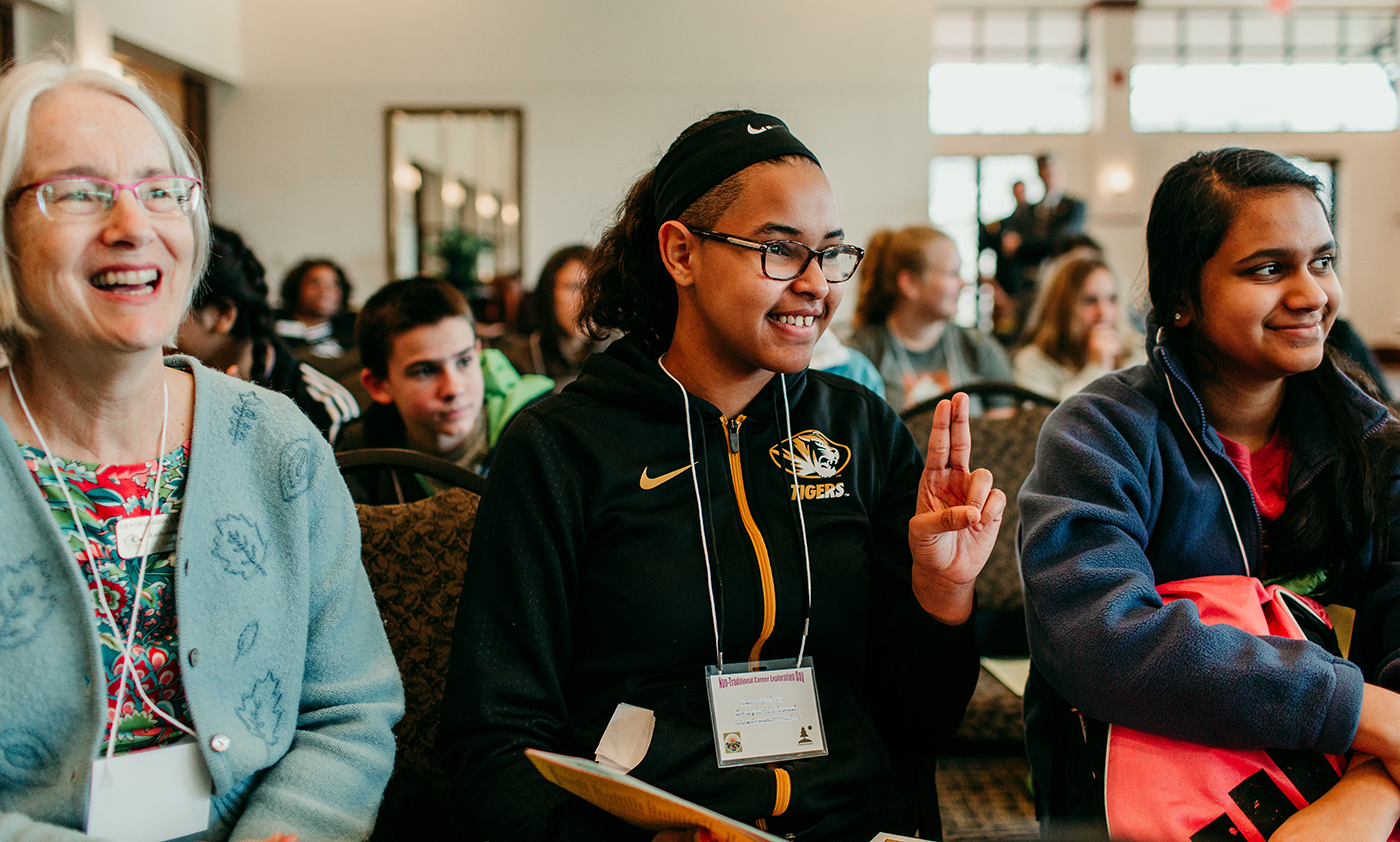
(586, 588)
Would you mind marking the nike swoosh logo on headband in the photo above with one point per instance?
(752, 130)
(648, 483)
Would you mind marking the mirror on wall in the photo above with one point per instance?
(453, 182)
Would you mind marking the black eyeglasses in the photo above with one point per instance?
(784, 260)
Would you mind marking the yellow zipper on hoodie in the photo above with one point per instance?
(770, 592)
(760, 547)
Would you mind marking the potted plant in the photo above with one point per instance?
(459, 249)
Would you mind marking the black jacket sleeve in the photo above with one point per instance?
(512, 647)
(927, 670)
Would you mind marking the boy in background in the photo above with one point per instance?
(435, 389)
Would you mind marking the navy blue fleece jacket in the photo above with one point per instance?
(1122, 499)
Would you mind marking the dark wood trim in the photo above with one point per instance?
(390, 235)
(7, 35)
(194, 97)
(196, 91)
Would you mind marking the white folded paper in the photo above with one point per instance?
(627, 738)
(1013, 672)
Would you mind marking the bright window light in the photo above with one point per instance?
(1324, 172)
(1263, 97)
(1008, 98)
(995, 175)
(952, 208)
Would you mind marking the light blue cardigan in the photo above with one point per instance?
(282, 651)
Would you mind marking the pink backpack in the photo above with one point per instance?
(1157, 789)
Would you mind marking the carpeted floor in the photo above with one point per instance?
(985, 798)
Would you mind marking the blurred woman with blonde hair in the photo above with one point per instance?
(1076, 332)
(910, 286)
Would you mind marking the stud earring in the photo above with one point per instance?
(1179, 315)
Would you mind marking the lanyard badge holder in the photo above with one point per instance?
(119, 788)
(767, 711)
(765, 715)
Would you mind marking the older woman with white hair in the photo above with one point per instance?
(189, 643)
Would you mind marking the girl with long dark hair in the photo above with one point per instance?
(559, 341)
(699, 499)
(1241, 449)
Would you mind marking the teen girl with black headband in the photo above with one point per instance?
(697, 504)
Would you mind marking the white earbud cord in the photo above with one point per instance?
(1229, 510)
(699, 513)
(128, 668)
(802, 524)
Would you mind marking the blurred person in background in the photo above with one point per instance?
(229, 327)
(1054, 217)
(315, 310)
(910, 285)
(1003, 237)
(559, 342)
(1076, 334)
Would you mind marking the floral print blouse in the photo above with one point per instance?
(104, 495)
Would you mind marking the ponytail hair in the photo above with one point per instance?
(628, 288)
(888, 253)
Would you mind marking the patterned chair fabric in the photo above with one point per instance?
(1006, 447)
(415, 555)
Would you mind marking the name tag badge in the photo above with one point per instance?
(151, 795)
(160, 538)
(765, 715)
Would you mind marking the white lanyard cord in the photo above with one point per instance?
(129, 667)
(699, 513)
(802, 524)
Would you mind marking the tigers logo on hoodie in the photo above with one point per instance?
(810, 455)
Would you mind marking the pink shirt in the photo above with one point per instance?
(1266, 470)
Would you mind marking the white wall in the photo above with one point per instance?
(203, 35)
(298, 146)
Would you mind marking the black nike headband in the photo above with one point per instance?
(691, 167)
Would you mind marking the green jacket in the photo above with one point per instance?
(507, 391)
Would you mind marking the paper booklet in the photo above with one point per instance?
(642, 804)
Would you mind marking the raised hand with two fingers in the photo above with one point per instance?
(957, 517)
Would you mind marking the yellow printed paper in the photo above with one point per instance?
(636, 802)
